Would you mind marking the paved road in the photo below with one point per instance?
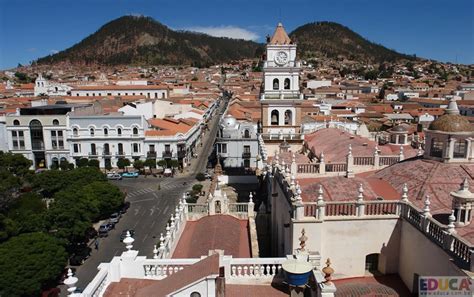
(149, 210)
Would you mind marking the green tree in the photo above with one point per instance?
(122, 163)
(105, 196)
(162, 163)
(94, 163)
(64, 165)
(151, 163)
(82, 162)
(174, 163)
(9, 185)
(28, 213)
(28, 262)
(108, 166)
(15, 163)
(138, 165)
(200, 176)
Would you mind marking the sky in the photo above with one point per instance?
(437, 29)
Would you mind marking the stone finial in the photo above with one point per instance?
(303, 238)
(70, 282)
(155, 252)
(128, 241)
(376, 149)
(168, 233)
(298, 193)
(401, 152)
(292, 183)
(328, 271)
(426, 209)
(350, 150)
(451, 219)
(293, 158)
(452, 107)
(405, 193)
(321, 157)
(465, 185)
(172, 221)
(162, 241)
(283, 163)
(360, 197)
(250, 198)
(320, 194)
(287, 171)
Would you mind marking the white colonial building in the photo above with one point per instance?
(48, 88)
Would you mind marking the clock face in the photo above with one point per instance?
(281, 58)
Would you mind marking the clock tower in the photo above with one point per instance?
(281, 97)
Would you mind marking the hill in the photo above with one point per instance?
(334, 41)
(144, 41)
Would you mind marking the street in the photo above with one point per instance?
(150, 209)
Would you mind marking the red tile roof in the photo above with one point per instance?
(222, 232)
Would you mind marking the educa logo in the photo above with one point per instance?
(446, 286)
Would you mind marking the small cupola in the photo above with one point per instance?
(399, 135)
(463, 201)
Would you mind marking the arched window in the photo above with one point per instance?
(120, 149)
(55, 122)
(36, 131)
(275, 117)
(401, 139)
(93, 149)
(106, 149)
(106, 131)
(195, 294)
(119, 131)
(75, 132)
(436, 149)
(246, 134)
(55, 163)
(276, 84)
(16, 123)
(91, 131)
(135, 131)
(460, 149)
(288, 117)
(287, 84)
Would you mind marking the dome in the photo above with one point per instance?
(451, 123)
(229, 121)
(399, 128)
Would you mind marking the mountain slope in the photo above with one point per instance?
(332, 40)
(142, 40)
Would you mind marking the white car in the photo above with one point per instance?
(113, 175)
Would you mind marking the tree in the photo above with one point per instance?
(151, 163)
(122, 163)
(64, 165)
(105, 196)
(200, 176)
(108, 166)
(197, 187)
(174, 163)
(162, 164)
(82, 162)
(15, 163)
(9, 185)
(94, 163)
(28, 262)
(27, 213)
(138, 165)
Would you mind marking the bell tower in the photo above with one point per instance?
(281, 98)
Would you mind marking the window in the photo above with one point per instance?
(91, 131)
(167, 147)
(246, 134)
(275, 117)
(36, 132)
(460, 149)
(106, 149)
(55, 122)
(119, 131)
(135, 131)
(16, 123)
(120, 149)
(436, 148)
(288, 117)
(224, 148)
(136, 148)
(106, 132)
(287, 84)
(77, 148)
(152, 148)
(276, 84)
(75, 132)
(93, 150)
(195, 294)
(57, 141)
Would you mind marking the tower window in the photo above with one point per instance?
(91, 131)
(460, 149)
(287, 84)
(288, 117)
(276, 84)
(275, 117)
(436, 148)
(135, 131)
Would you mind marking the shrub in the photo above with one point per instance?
(200, 176)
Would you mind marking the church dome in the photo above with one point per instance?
(451, 123)
(229, 122)
(399, 128)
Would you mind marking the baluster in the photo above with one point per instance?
(233, 269)
(273, 270)
(239, 271)
(251, 270)
(176, 269)
(245, 270)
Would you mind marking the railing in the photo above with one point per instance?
(181, 154)
(376, 208)
(436, 232)
(462, 252)
(93, 154)
(256, 268)
(388, 160)
(341, 208)
(307, 168)
(336, 167)
(120, 154)
(238, 207)
(98, 285)
(364, 161)
(151, 155)
(281, 136)
(414, 217)
(246, 155)
(167, 154)
(106, 154)
(197, 208)
(161, 268)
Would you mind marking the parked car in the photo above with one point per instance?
(110, 225)
(104, 230)
(125, 207)
(114, 218)
(114, 176)
(124, 234)
(130, 174)
(167, 172)
(208, 175)
(80, 255)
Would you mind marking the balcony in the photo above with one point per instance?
(181, 154)
(106, 154)
(246, 155)
(120, 155)
(167, 154)
(93, 154)
(151, 155)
